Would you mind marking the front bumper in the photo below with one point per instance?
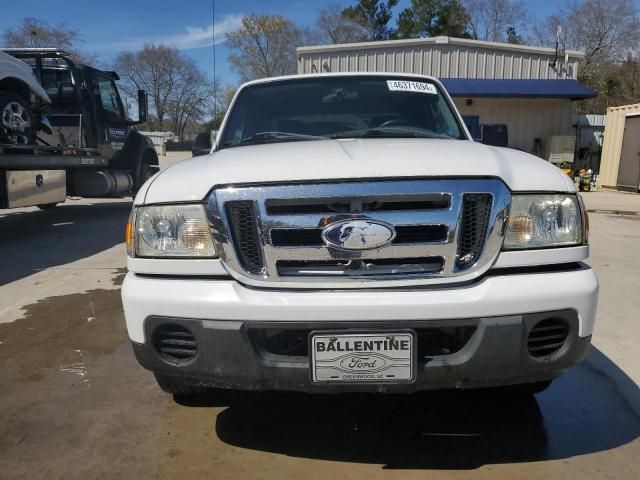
(500, 310)
(234, 354)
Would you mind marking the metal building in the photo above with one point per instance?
(620, 165)
(529, 89)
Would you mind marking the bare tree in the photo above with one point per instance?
(36, 33)
(178, 91)
(334, 27)
(607, 31)
(604, 29)
(156, 69)
(493, 20)
(188, 102)
(264, 46)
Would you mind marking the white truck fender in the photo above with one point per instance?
(11, 67)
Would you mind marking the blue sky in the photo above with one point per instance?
(108, 27)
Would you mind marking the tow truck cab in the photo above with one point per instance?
(84, 131)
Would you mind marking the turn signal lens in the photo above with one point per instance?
(195, 235)
(520, 229)
(585, 220)
(128, 234)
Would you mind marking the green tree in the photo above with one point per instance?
(372, 15)
(430, 18)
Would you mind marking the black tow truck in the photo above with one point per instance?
(81, 144)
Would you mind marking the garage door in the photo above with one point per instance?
(629, 170)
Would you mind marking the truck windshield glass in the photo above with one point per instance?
(108, 98)
(340, 107)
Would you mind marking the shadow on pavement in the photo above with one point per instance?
(35, 240)
(593, 407)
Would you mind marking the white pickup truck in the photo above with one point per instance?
(346, 234)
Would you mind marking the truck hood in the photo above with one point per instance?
(348, 159)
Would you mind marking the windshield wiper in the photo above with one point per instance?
(388, 132)
(271, 137)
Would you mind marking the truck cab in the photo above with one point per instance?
(347, 235)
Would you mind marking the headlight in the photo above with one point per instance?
(538, 221)
(171, 231)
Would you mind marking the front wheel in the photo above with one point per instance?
(16, 119)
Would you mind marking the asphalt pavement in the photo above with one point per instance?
(75, 404)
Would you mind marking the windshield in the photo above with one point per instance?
(339, 107)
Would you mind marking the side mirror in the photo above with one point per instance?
(202, 144)
(143, 107)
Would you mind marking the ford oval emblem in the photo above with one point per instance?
(361, 234)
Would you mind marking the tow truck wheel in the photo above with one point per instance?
(148, 172)
(16, 119)
(148, 169)
(47, 206)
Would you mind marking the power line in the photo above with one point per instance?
(213, 42)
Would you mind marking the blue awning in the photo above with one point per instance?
(503, 88)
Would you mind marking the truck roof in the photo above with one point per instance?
(43, 51)
(341, 74)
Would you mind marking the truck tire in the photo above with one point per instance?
(179, 387)
(148, 168)
(47, 206)
(16, 119)
(148, 172)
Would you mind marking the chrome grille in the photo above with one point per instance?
(311, 237)
(445, 231)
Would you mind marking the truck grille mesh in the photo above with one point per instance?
(244, 229)
(476, 208)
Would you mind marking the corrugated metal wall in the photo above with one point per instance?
(446, 60)
(612, 144)
(543, 118)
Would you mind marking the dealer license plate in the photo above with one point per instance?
(362, 357)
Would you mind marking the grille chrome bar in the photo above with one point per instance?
(480, 250)
(315, 220)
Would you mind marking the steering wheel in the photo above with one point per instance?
(396, 122)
